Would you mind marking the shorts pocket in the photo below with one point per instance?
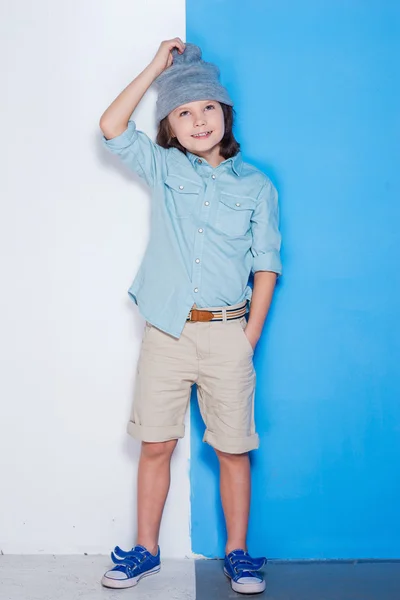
(183, 194)
(234, 214)
(243, 325)
(146, 330)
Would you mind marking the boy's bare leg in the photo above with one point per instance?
(235, 488)
(153, 485)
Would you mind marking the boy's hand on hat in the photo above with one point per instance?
(163, 59)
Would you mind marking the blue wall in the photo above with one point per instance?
(317, 94)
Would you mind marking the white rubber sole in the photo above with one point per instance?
(246, 588)
(119, 584)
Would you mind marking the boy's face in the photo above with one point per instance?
(193, 118)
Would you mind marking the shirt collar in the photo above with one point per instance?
(235, 162)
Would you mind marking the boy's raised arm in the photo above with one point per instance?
(114, 120)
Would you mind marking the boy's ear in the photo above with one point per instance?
(170, 134)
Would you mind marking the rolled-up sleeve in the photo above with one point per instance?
(138, 152)
(266, 243)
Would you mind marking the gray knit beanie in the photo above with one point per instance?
(189, 78)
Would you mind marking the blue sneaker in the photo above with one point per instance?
(130, 569)
(118, 553)
(242, 570)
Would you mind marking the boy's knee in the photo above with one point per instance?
(230, 457)
(158, 449)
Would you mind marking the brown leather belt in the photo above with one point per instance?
(203, 315)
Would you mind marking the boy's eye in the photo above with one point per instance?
(186, 111)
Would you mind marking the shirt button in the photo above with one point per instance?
(181, 187)
(207, 203)
(237, 203)
(196, 290)
(213, 176)
(200, 230)
(199, 160)
(197, 260)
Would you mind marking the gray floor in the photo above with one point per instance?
(78, 578)
(308, 580)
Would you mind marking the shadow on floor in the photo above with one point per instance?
(308, 580)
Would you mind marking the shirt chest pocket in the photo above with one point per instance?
(182, 194)
(234, 214)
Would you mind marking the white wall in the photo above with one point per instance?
(74, 225)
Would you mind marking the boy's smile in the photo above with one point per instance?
(202, 136)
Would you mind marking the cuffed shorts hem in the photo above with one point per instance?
(155, 434)
(232, 445)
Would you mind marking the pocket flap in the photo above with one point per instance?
(182, 185)
(238, 202)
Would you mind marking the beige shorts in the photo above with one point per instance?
(218, 357)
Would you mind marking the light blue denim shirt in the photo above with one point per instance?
(210, 228)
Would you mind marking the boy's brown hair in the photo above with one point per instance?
(229, 145)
